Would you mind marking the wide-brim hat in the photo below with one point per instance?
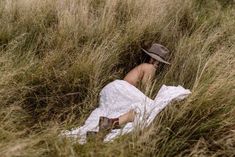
(158, 52)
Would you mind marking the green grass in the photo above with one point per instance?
(56, 56)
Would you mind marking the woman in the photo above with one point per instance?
(123, 104)
(141, 74)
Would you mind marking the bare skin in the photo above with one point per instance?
(142, 73)
(127, 117)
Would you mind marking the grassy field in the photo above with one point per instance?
(56, 56)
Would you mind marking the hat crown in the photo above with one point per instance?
(159, 50)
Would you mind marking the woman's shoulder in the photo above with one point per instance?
(146, 66)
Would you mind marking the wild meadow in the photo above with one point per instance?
(57, 55)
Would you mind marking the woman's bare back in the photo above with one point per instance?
(140, 74)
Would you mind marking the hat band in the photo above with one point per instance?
(157, 55)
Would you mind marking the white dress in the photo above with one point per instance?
(117, 98)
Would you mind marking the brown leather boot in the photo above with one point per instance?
(107, 124)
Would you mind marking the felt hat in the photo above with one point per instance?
(158, 52)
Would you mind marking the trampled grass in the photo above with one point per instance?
(55, 57)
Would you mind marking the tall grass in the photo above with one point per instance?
(56, 56)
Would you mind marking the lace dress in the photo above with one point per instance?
(117, 98)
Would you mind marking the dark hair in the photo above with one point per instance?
(160, 67)
(146, 58)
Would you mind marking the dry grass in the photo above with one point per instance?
(57, 55)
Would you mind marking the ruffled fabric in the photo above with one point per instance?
(117, 98)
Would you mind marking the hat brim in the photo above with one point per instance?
(156, 57)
